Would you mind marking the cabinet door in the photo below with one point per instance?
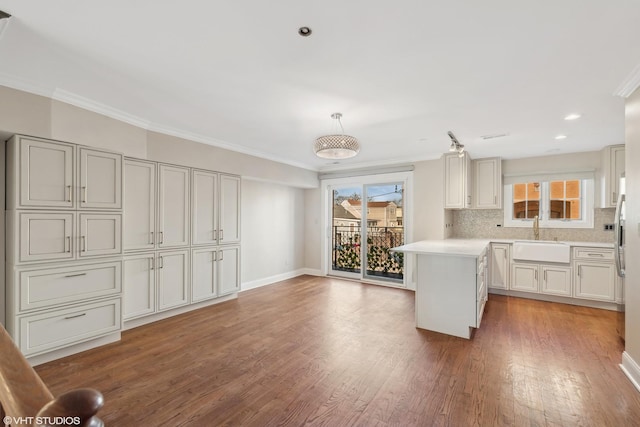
(499, 270)
(524, 277)
(100, 179)
(595, 281)
(556, 280)
(46, 174)
(173, 215)
(139, 286)
(204, 208)
(204, 274)
(614, 169)
(228, 270)
(173, 273)
(100, 234)
(46, 236)
(456, 181)
(139, 205)
(487, 183)
(229, 209)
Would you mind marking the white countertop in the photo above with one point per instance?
(472, 247)
(458, 247)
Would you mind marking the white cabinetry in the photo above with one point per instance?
(140, 205)
(500, 262)
(614, 167)
(173, 206)
(457, 181)
(172, 212)
(541, 278)
(487, 183)
(595, 274)
(215, 208)
(64, 243)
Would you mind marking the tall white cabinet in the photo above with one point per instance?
(64, 243)
(182, 235)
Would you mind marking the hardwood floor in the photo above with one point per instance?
(329, 352)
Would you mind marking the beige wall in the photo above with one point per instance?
(170, 149)
(312, 229)
(632, 235)
(25, 113)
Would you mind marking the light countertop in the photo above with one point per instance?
(457, 247)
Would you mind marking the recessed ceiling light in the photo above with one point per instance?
(572, 116)
(561, 136)
(304, 31)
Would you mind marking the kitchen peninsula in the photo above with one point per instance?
(451, 284)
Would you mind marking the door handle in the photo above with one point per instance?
(84, 194)
(221, 255)
(161, 259)
(151, 264)
(152, 241)
(68, 244)
(84, 244)
(69, 193)
(215, 234)
(161, 237)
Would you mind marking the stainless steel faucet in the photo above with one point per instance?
(536, 227)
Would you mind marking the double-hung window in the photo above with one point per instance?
(562, 200)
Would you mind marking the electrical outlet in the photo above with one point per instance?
(608, 227)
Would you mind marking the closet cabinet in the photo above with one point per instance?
(215, 208)
(64, 243)
(487, 183)
(614, 168)
(595, 274)
(215, 272)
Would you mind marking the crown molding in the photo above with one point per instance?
(17, 83)
(191, 136)
(97, 107)
(630, 84)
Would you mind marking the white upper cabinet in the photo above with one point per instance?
(100, 184)
(229, 230)
(100, 234)
(457, 180)
(173, 208)
(41, 174)
(487, 183)
(204, 225)
(44, 236)
(140, 205)
(614, 167)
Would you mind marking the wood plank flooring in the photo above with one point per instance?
(319, 351)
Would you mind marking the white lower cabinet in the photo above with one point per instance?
(204, 266)
(172, 269)
(51, 329)
(541, 278)
(229, 270)
(499, 270)
(139, 286)
(595, 281)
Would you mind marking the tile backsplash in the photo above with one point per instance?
(482, 224)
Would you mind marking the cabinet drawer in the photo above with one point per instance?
(44, 288)
(595, 254)
(47, 331)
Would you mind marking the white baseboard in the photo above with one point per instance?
(77, 348)
(277, 278)
(134, 323)
(631, 369)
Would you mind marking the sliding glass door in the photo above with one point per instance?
(366, 222)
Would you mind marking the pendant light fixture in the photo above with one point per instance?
(337, 145)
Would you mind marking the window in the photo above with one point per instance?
(558, 202)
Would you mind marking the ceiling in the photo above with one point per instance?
(236, 74)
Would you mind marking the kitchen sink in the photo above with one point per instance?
(541, 250)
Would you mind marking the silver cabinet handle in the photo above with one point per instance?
(221, 255)
(69, 193)
(161, 237)
(215, 234)
(221, 234)
(68, 244)
(600, 255)
(76, 275)
(151, 264)
(84, 244)
(73, 317)
(545, 275)
(579, 270)
(84, 194)
(215, 255)
(152, 241)
(536, 274)
(161, 259)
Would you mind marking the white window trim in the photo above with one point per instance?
(587, 215)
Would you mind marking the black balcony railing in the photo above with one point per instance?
(380, 260)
